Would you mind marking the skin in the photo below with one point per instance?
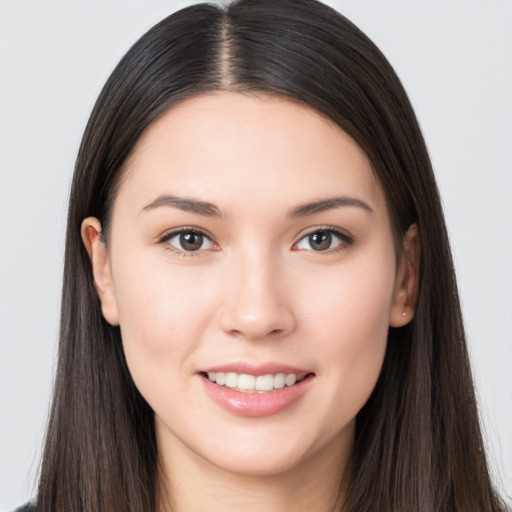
(256, 292)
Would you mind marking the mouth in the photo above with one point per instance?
(258, 384)
(251, 390)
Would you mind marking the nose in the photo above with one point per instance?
(256, 305)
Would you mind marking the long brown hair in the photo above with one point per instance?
(418, 444)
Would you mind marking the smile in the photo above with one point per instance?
(247, 383)
(256, 392)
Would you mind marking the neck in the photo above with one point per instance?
(193, 484)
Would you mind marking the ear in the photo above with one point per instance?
(97, 251)
(405, 293)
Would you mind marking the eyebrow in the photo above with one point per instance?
(328, 204)
(186, 204)
(207, 209)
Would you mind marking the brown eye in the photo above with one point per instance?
(320, 241)
(189, 241)
(323, 240)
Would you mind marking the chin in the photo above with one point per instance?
(274, 451)
(251, 463)
(244, 450)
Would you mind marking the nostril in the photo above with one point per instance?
(256, 317)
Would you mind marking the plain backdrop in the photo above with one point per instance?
(455, 60)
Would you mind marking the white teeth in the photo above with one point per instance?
(231, 380)
(246, 382)
(251, 383)
(279, 380)
(265, 383)
(290, 379)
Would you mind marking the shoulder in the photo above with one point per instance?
(25, 508)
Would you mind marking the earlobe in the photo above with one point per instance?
(405, 293)
(97, 251)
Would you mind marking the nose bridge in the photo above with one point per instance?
(256, 304)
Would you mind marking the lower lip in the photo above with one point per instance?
(256, 404)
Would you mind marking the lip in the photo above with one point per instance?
(256, 404)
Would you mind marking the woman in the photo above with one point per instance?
(259, 305)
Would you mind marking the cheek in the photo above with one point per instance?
(351, 302)
(351, 322)
(162, 312)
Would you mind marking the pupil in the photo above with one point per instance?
(191, 241)
(320, 240)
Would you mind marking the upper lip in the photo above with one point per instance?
(255, 369)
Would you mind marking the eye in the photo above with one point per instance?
(322, 240)
(188, 241)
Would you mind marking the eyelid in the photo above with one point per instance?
(346, 238)
(175, 231)
(167, 235)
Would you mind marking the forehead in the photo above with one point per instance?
(242, 150)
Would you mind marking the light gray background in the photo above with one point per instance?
(455, 59)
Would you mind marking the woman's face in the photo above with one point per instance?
(250, 241)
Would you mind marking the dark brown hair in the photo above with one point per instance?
(418, 444)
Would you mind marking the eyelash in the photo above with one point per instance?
(345, 240)
(186, 229)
